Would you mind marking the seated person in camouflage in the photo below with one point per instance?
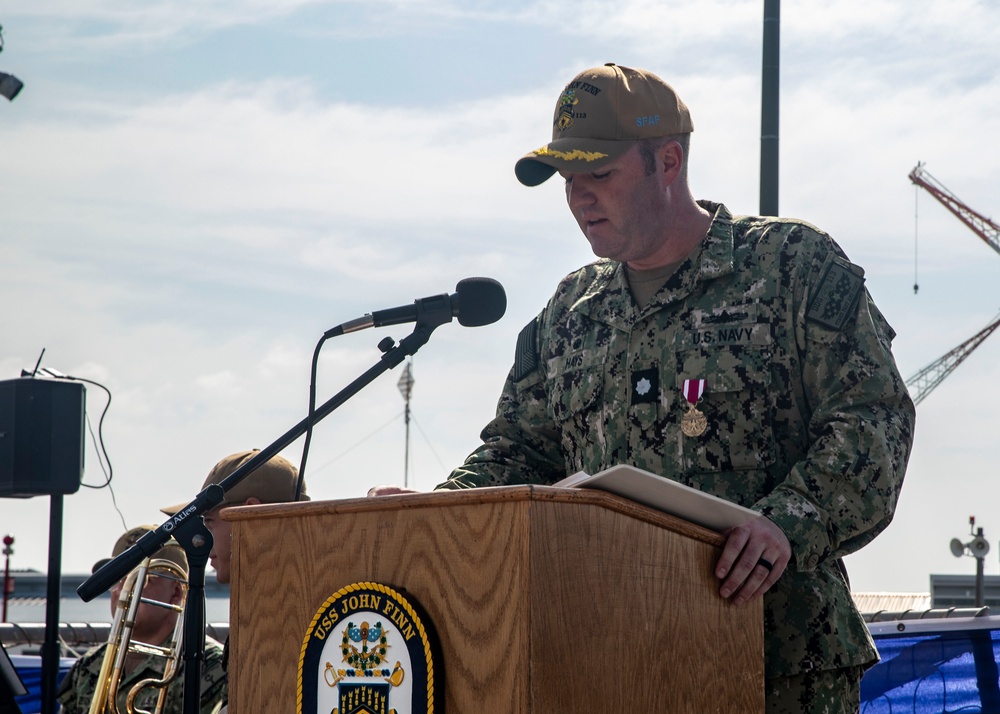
(153, 625)
(274, 481)
(740, 355)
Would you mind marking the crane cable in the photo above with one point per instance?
(916, 201)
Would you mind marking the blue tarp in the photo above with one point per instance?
(934, 667)
(29, 669)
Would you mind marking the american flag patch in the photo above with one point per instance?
(526, 353)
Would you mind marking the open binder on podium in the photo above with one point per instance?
(664, 495)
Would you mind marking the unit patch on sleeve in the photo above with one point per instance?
(526, 354)
(837, 295)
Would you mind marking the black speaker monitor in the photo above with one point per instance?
(41, 437)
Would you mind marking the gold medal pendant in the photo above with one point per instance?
(693, 423)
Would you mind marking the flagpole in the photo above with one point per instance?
(405, 385)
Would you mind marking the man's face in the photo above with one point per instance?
(148, 618)
(620, 209)
(222, 544)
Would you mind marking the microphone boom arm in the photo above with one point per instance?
(213, 495)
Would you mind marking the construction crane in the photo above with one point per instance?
(923, 382)
(982, 226)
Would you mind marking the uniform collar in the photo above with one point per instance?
(714, 256)
(607, 298)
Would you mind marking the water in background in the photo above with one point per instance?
(97, 610)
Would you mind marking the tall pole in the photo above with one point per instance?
(769, 109)
(978, 547)
(405, 385)
(406, 450)
(980, 558)
(50, 647)
(8, 584)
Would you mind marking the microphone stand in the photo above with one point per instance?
(185, 522)
(196, 540)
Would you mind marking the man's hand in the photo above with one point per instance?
(389, 490)
(749, 550)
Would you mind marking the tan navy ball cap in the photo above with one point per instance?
(171, 550)
(271, 482)
(599, 116)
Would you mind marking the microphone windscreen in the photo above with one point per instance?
(481, 301)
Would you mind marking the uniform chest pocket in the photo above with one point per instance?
(736, 403)
(576, 392)
(576, 408)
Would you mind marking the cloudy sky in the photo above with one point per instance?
(192, 192)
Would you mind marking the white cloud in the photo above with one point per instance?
(188, 250)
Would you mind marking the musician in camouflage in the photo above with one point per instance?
(805, 417)
(154, 625)
(77, 689)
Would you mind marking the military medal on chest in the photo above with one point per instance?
(693, 423)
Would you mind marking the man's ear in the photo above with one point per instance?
(671, 157)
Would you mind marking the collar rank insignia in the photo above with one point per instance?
(367, 651)
(645, 386)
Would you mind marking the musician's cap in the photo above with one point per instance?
(271, 482)
(171, 550)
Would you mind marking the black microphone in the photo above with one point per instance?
(475, 302)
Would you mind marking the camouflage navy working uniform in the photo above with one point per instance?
(809, 422)
(78, 687)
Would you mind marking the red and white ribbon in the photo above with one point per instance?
(693, 389)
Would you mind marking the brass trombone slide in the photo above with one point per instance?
(120, 641)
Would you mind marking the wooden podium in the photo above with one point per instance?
(544, 600)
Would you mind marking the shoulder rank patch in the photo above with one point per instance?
(526, 354)
(836, 296)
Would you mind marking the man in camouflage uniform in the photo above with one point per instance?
(738, 355)
(153, 625)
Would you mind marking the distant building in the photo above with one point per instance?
(960, 591)
(30, 584)
(82, 624)
(872, 604)
(950, 596)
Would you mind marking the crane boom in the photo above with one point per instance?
(925, 380)
(982, 226)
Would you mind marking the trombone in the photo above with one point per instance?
(120, 642)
